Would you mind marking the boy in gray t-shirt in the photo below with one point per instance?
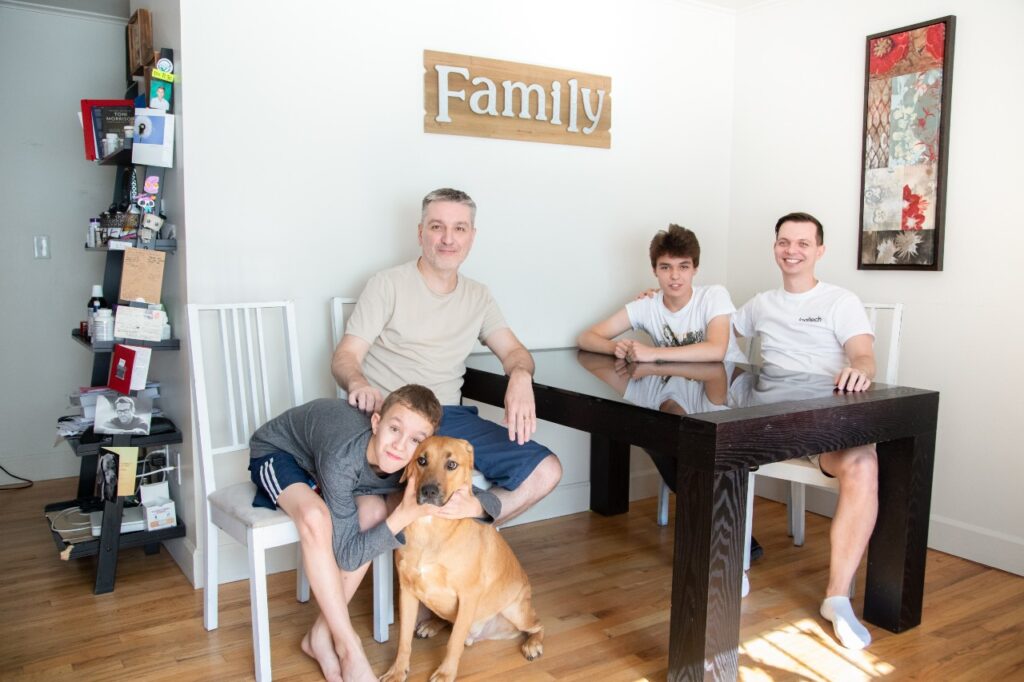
(356, 460)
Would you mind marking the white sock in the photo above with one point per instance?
(850, 633)
(745, 588)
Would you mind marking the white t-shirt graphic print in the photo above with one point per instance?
(687, 325)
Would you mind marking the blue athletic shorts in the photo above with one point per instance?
(272, 474)
(502, 461)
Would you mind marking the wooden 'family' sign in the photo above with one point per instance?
(481, 97)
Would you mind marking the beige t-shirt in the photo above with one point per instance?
(417, 336)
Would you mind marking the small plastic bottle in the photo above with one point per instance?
(103, 326)
(95, 303)
(92, 236)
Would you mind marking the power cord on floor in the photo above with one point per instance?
(15, 486)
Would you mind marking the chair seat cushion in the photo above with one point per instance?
(236, 501)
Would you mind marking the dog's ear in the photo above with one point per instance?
(469, 450)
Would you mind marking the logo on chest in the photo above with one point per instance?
(817, 318)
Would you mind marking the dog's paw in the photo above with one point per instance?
(533, 647)
(394, 675)
(442, 676)
(430, 627)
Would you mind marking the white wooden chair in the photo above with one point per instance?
(383, 564)
(245, 369)
(800, 472)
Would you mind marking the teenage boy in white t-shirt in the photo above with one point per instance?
(687, 323)
(811, 326)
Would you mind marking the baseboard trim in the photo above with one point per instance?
(988, 547)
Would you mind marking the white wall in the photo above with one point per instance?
(305, 168)
(49, 60)
(797, 143)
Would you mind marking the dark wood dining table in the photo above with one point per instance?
(715, 451)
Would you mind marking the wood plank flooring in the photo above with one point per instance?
(601, 587)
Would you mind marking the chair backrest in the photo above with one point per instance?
(886, 321)
(338, 314)
(245, 370)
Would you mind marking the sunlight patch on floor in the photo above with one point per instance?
(807, 650)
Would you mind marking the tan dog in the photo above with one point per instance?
(462, 570)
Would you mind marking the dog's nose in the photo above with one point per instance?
(429, 493)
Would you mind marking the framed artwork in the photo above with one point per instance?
(907, 85)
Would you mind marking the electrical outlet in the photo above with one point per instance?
(41, 246)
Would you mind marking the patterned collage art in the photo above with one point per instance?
(904, 145)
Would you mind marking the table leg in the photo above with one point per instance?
(707, 574)
(899, 543)
(609, 475)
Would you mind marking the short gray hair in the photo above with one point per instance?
(448, 194)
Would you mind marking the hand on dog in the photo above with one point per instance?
(409, 510)
(461, 505)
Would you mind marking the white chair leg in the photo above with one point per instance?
(381, 592)
(260, 610)
(663, 504)
(301, 579)
(789, 510)
(797, 507)
(210, 577)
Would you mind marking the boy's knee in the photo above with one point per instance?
(314, 523)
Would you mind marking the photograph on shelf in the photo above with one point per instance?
(115, 472)
(123, 415)
(154, 138)
(160, 93)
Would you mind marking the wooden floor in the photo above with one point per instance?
(601, 587)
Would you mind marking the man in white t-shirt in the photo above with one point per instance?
(811, 326)
(417, 323)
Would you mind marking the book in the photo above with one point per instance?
(129, 366)
(86, 395)
(88, 129)
(111, 120)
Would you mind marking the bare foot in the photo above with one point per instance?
(318, 644)
(355, 667)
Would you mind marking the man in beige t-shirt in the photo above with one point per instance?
(417, 323)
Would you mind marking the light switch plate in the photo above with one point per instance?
(41, 246)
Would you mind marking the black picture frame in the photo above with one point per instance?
(908, 82)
